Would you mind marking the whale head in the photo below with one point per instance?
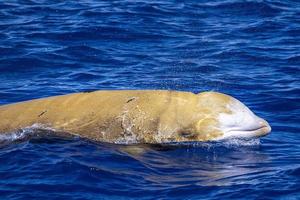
(226, 117)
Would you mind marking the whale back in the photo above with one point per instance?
(105, 115)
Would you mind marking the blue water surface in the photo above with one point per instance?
(247, 49)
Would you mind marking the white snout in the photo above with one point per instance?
(242, 122)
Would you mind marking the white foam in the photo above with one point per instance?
(22, 133)
(240, 142)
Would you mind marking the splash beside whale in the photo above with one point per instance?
(138, 116)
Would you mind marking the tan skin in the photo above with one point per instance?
(137, 116)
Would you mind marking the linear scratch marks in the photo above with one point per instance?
(42, 113)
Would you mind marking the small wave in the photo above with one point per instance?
(13, 136)
(248, 7)
(24, 133)
(85, 76)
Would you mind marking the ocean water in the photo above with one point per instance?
(247, 49)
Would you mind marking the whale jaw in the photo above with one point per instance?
(256, 131)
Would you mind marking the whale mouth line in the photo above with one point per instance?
(249, 133)
(250, 130)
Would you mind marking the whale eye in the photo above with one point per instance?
(188, 135)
